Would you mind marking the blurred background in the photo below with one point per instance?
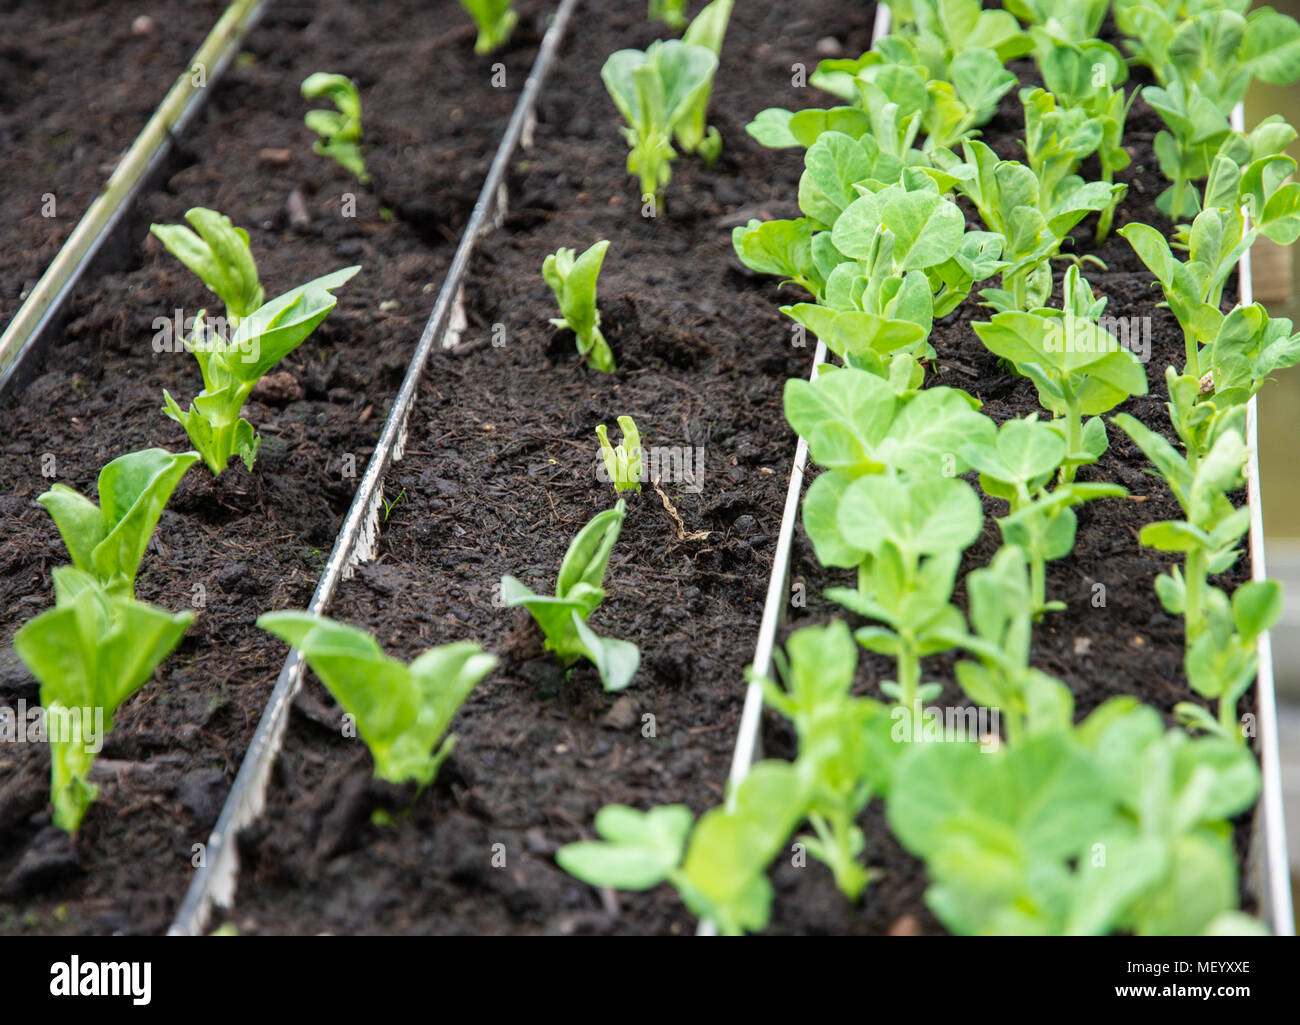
(1277, 278)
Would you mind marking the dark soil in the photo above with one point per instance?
(244, 543)
(77, 83)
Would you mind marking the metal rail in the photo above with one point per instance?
(214, 883)
(22, 337)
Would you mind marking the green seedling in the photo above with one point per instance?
(578, 591)
(108, 540)
(573, 280)
(401, 711)
(622, 464)
(232, 369)
(339, 130)
(495, 20)
(89, 653)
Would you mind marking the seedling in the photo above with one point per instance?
(1001, 599)
(402, 712)
(495, 19)
(339, 130)
(1087, 76)
(89, 653)
(1025, 459)
(573, 280)
(1078, 367)
(656, 90)
(1010, 837)
(1208, 534)
(108, 540)
(707, 30)
(562, 617)
(718, 867)
(622, 464)
(1009, 201)
(845, 744)
(912, 533)
(231, 370)
(1222, 664)
(219, 254)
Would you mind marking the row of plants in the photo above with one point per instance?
(99, 645)
(1115, 822)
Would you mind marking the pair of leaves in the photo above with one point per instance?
(218, 253)
(109, 540)
(655, 90)
(578, 591)
(402, 712)
(573, 280)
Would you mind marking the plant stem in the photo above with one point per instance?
(909, 673)
(1194, 572)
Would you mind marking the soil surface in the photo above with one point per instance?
(243, 543)
(78, 80)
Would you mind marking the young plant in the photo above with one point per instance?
(1222, 664)
(1217, 240)
(1213, 46)
(1177, 795)
(562, 617)
(1057, 140)
(1078, 367)
(1011, 837)
(108, 540)
(1088, 77)
(573, 280)
(911, 534)
(622, 464)
(402, 712)
(1018, 467)
(1007, 196)
(495, 19)
(232, 369)
(656, 90)
(339, 130)
(219, 255)
(1001, 599)
(1195, 130)
(719, 867)
(1207, 536)
(89, 653)
(707, 30)
(845, 744)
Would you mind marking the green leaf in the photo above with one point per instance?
(401, 712)
(640, 849)
(90, 652)
(109, 540)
